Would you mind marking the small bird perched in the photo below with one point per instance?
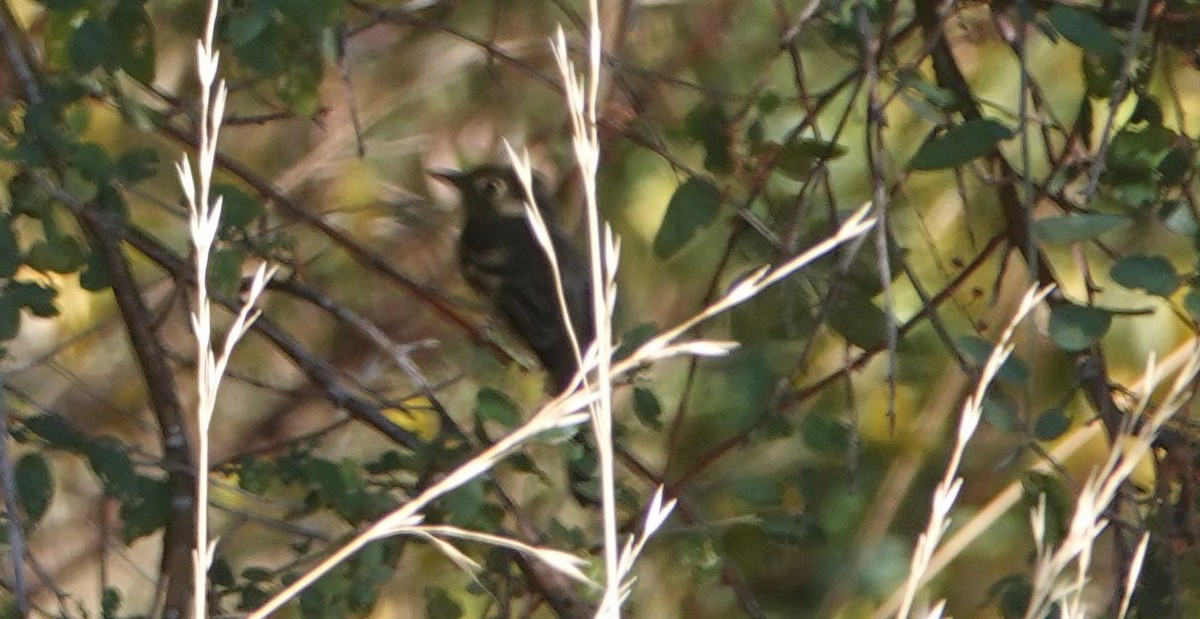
(503, 261)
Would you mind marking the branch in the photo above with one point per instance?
(160, 383)
(317, 370)
(1091, 368)
(105, 233)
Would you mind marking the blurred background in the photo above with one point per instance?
(1001, 143)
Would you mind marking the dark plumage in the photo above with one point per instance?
(502, 260)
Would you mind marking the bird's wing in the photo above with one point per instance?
(531, 305)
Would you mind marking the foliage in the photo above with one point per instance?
(1003, 143)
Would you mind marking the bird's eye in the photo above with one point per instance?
(493, 187)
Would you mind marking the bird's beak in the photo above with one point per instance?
(453, 178)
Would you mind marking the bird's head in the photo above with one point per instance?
(494, 191)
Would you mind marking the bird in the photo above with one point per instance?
(503, 262)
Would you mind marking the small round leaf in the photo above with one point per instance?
(1051, 424)
(1076, 227)
(970, 140)
(1191, 301)
(35, 486)
(1084, 29)
(695, 205)
(1178, 217)
(91, 44)
(1014, 370)
(1001, 411)
(1075, 327)
(1154, 274)
(647, 408)
(492, 405)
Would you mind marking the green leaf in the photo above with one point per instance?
(792, 529)
(251, 596)
(238, 208)
(76, 121)
(1191, 301)
(1175, 165)
(466, 503)
(79, 186)
(255, 475)
(1051, 424)
(298, 83)
(1014, 371)
(10, 252)
(390, 461)
(56, 432)
(634, 338)
(10, 318)
(91, 45)
(772, 427)
(922, 108)
(225, 269)
(695, 205)
(112, 203)
(332, 483)
(798, 158)
(646, 408)
(1148, 110)
(755, 134)
(943, 98)
(110, 603)
(112, 466)
(146, 510)
(970, 140)
(492, 405)
(1133, 151)
(1012, 594)
(94, 276)
(60, 254)
(1001, 412)
(858, 320)
(134, 111)
(35, 486)
(243, 27)
(769, 101)
(27, 197)
(708, 124)
(1137, 193)
(221, 573)
(1076, 327)
(824, 434)
(1154, 274)
(136, 165)
(43, 127)
(438, 603)
(1099, 77)
(523, 463)
(1060, 502)
(1084, 29)
(38, 299)
(1178, 217)
(94, 165)
(133, 41)
(698, 555)
(758, 490)
(257, 574)
(781, 312)
(1076, 226)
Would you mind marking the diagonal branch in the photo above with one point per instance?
(1091, 368)
(102, 229)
